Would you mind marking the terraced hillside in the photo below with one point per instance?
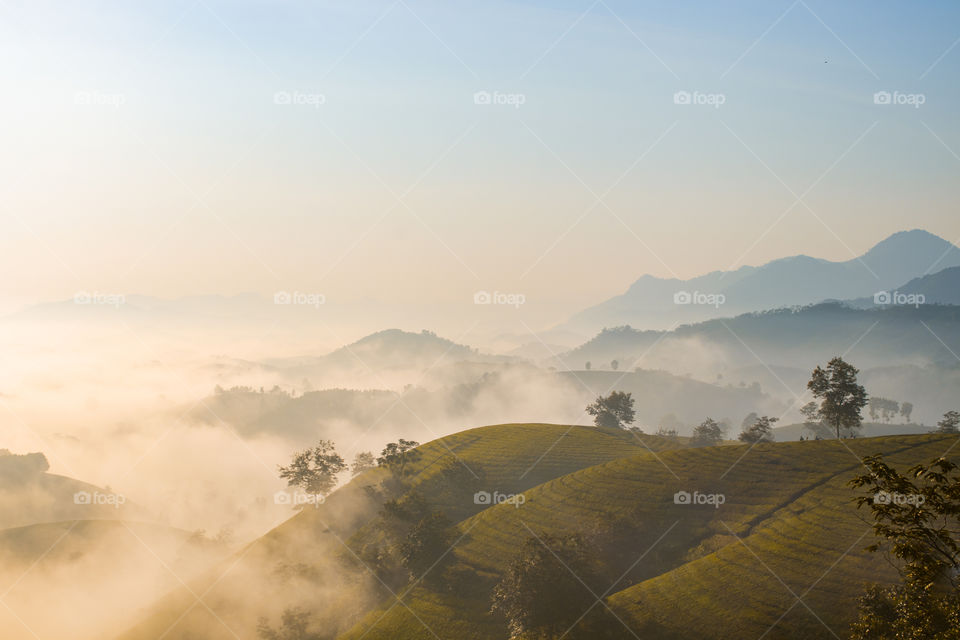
(787, 530)
(509, 458)
(781, 557)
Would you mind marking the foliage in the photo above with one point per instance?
(882, 408)
(950, 423)
(419, 536)
(906, 408)
(363, 461)
(548, 590)
(294, 625)
(615, 411)
(841, 398)
(760, 431)
(707, 433)
(396, 455)
(916, 515)
(315, 470)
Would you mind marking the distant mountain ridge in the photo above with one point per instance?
(652, 302)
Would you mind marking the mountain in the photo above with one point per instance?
(798, 280)
(483, 397)
(942, 287)
(779, 348)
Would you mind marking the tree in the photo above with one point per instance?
(707, 433)
(882, 408)
(587, 365)
(363, 461)
(749, 421)
(396, 455)
(950, 423)
(916, 519)
(546, 590)
(315, 470)
(841, 398)
(427, 544)
(615, 411)
(906, 408)
(760, 431)
(614, 364)
(294, 625)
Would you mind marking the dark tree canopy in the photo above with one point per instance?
(615, 411)
(707, 433)
(548, 590)
(841, 398)
(950, 423)
(396, 455)
(760, 431)
(915, 518)
(315, 470)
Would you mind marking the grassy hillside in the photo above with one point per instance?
(507, 458)
(787, 503)
(787, 526)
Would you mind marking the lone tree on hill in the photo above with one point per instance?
(707, 433)
(841, 398)
(396, 455)
(950, 423)
(315, 470)
(615, 411)
(760, 431)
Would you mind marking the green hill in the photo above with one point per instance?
(508, 458)
(786, 526)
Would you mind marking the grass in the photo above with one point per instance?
(786, 529)
(786, 503)
(509, 458)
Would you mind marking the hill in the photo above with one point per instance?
(912, 350)
(797, 280)
(942, 287)
(509, 459)
(475, 393)
(575, 479)
(28, 495)
(121, 566)
(786, 507)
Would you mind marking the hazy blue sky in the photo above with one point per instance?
(144, 149)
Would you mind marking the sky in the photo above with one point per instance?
(350, 149)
